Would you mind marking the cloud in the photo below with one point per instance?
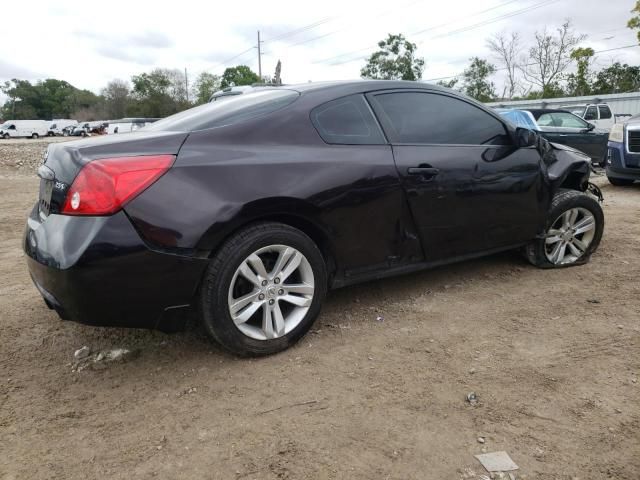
(150, 40)
(9, 71)
(147, 39)
(125, 54)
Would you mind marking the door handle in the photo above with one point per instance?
(424, 171)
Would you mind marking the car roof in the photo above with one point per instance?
(363, 85)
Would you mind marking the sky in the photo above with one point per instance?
(90, 44)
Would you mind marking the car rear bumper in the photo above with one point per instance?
(98, 271)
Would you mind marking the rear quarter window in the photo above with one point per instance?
(347, 121)
(228, 112)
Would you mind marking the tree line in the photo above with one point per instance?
(542, 71)
(157, 93)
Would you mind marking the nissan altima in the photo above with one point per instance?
(248, 210)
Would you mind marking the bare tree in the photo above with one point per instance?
(549, 57)
(117, 98)
(505, 48)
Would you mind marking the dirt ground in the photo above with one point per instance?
(553, 356)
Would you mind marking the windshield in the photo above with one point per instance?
(233, 110)
(519, 118)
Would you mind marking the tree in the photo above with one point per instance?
(277, 79)
(476, 82)
(395, 60)
(505, 49)
(240, 75)
(205, 85)
(549, 57)
(579, 83)
(634, 22)
(151, 92)
(47, 99)
(159, 93)
(617, 78)
(448, 83)
(117, 98)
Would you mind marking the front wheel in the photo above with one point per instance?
(263, 289)
(6, 136)
(573, 231)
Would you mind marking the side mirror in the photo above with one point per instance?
(526, 137)
(590, 126)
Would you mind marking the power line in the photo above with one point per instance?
(454, 32)
(528, 64)
(291, 33)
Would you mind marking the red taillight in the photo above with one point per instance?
(104, 186)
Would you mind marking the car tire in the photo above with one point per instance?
(6, 136)
(620, 182)
(65, 133)
(573, 231)
(267, 323)
(35, 136)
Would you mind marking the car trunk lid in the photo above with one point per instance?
(63, 161)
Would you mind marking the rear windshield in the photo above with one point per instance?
(233, 110)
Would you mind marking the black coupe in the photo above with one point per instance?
(251, 208)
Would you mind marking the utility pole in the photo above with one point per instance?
(259, 57)
(186, 83)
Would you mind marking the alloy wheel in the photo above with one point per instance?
(570, 236)
(271, 292)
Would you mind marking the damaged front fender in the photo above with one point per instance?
(566, 167)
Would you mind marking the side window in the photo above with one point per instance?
(605, 112)
(347, 121)
(567, 120)
(417, 117)
(591, 113)
(545, 120)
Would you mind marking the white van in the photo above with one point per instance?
(597, 113)
(58, 126)
(24, 128)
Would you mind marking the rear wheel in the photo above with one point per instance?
(619, 182)
(263, 289)
(574, 228)
(35, 136)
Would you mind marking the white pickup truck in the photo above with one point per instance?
(597, 113)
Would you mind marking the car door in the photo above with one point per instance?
(569, 129)
(468, 187)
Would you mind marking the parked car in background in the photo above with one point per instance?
(24, 128)
(599, 114)
(59, 126)
(126, 125)
(80, 130)
(623, 159)
(560, 126)
(251, 208)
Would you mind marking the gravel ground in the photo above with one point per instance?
(22, 156)
(553, 357)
